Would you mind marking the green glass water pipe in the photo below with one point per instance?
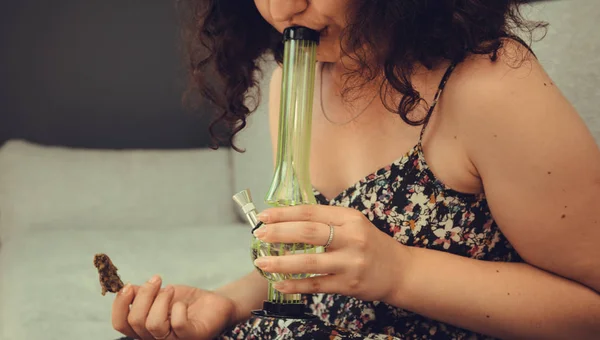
(291, 184)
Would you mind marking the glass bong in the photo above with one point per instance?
(291, 183)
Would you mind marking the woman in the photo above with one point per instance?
(461, 185)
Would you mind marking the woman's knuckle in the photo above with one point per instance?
(356, 216)
(354, 284)
(360, 242)
(310, 262)
(360, 263)
(305, 213)
(309, 231)
(135, 321)
(315, 287)
(178, 325)
(152, 326)
(120, 325)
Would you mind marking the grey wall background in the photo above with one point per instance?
(100, 74)
(570, 53)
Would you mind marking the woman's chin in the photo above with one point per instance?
(328, 54)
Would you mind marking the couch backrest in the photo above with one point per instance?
(42, 187)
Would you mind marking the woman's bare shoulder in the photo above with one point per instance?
(513, 91)
(480, 81)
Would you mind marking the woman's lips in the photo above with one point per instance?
(322, 33)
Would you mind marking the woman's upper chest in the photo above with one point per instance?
(352, 140)
(342, 156)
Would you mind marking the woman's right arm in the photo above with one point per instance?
(247, 294)
(250, 291)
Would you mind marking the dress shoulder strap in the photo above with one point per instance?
(437, 97)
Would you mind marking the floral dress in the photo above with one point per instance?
(406, 201)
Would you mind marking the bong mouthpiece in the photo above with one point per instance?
(301, 33)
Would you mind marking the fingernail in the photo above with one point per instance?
(279, 285)
(125, 289)
(260, 232)
(263, 216)
(154, 279)
(261, 262)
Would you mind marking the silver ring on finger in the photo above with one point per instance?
(164, 336)
(330, 239)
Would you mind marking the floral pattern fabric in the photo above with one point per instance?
(406, 201)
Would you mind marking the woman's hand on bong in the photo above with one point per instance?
(172, 313)
(361, 260)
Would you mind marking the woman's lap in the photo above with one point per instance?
(271, 328)
(261, 328)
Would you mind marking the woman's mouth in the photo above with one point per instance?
(322, 32)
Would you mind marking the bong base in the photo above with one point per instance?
(284, 311)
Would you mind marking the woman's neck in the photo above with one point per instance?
(342, 74)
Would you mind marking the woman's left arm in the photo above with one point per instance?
(540, 168)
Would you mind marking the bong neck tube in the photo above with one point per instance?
(291, 182)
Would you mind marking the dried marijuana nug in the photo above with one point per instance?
(109, 279)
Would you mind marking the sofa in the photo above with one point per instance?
(170, 212)
(153, 211)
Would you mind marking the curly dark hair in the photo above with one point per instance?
(227, 40)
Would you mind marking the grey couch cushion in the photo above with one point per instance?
(52, 292)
